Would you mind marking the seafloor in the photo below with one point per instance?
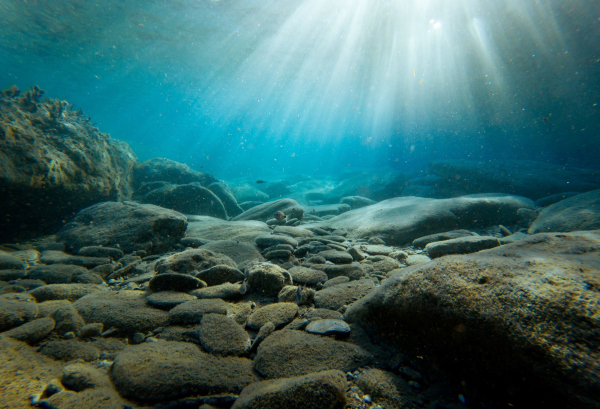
(129, 285)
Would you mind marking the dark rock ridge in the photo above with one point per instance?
(131, 225)
(53, 163)
(517, 319)
(530, 179)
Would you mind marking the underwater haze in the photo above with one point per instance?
(256, 88)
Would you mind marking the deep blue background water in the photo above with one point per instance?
(248, 88)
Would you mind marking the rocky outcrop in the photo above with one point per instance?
(518, 319)
(188, 199)
(169, 171)
(53, 163)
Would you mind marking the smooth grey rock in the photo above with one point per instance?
(32, 331)
(555, 198)
(335, 297)
(421, 242)
(222, 191)
(336, 256)
(191, 262)
(10, 262)
(221, 335)
(71, 292)
(356, 202)
(192, 312)
(328, 327)
(305, 275)
(168, 299)
(59, 257)
(275, 239)
(335, 281)
(240, 252)
(267, 279)
(226, 291)
(132, 225)
(98, 251)
(211, 228)
(220, 274)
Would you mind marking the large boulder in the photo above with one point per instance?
(188, 199)
(160, 371)
(581, 212)
(520, 319)
(247, 193)
(53, 163)
(517, 177)
(131, 225)
(211, 228)
(166, 170)
(401, 220)
(265, 211)
(224, 193)
(322, 390)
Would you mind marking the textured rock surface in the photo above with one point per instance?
(581, 212)
(267, 279)
(131, 225)
(71, 292)
(292, 353)
(461, 245)
(337, 296)
(221, 335)
(322, 390)
(49, 150)
(32, 331)
(166, 170)
(221, 274)
(222, 191)
(278, 313)
(518, 318)
(240, 252)
(401, 220)
(191, 262)
(170, 370)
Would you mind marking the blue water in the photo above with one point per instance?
(256, 88)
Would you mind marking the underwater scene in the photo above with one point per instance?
(321, 204)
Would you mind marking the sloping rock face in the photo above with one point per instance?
(403, 219)
(520, 319)
(188, 199)
(211, 228)
(131, 225)
(166, 170)
(524, 178)
(581, 212)
(53, 163)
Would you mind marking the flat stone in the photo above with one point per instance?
(55, 273)
(174, 282)
(328, 327)
(278, 254)
(265, 211)
(221, 335)
(322, 390)
(356, 202)
(296, 232)
(71, 292)
(305, 275)
(168, 299)
(192, 312)
(187, 199)
(353, 271)
(337, 257)
(279, 314)
(211, 228)
(417, 259)
(293, 353)
(98, 251)
(164, 371)
(69, 350)
(127, 311)
(461, 245)
(59, 257)
(32, 331)
(220, 274)
(376, 249)
(581, 212)
(8, 262)
(8, 275)
(335, 281)
(227, 291)
(335, 297)
(240, 252)
(421, 242)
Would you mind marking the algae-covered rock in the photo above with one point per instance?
(165, 370)
(166, 170)
(188, 199)
(192, 262)
(48, 150)
(222, 191)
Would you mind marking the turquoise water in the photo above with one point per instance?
(264, 88)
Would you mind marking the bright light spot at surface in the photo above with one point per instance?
(437, 25)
